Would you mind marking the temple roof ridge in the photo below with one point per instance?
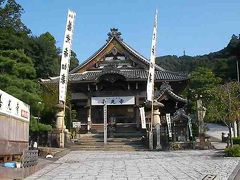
(115, 34)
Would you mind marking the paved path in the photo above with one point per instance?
(182, 165)
(215, 131)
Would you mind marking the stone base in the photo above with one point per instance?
(150, 140)
(55, 138)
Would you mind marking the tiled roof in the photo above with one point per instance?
(133, 74)
(166, 88)
(180, 114)
(173, 95)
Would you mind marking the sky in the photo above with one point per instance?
(198, 27)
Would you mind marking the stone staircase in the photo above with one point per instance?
(131, 141)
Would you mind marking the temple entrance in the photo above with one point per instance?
(121, 113)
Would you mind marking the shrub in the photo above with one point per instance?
(233, 151)
(236, 140)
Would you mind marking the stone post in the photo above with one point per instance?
(155, 121)
(60, 125)
(156, 124)
(150, 140)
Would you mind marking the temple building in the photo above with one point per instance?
(118, 74)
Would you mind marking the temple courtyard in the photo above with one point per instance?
(190, 164)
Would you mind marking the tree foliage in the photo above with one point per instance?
(24, 59)
(225, 103)
(10, 16)
(44, 54)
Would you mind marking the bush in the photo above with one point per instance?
(236, 140)
(233, 151)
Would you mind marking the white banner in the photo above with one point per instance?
(190, 127)
(150, 82)
(118, 100)
(168, 118)
(12, 106)
(143, 118)
(66, 54)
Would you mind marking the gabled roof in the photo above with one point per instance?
(166, 89)
(115, 35)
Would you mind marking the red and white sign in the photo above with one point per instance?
(12, 106)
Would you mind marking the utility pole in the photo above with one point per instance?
(237, 123)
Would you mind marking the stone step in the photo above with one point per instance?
(109, 146)
(114, 148)
(119, 144)
(110, 143)
(109, 149)
(115, 135)
(110, 139)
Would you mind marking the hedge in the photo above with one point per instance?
(233, 151)
(236, 140)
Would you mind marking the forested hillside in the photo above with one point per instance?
(222, 63)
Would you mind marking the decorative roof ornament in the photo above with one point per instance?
(114, 33)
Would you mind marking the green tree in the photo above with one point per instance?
(11, 40)
(44, 54)
(73, 61)
(224, 104)
(10, 16)
(17, 77)
(203, 79)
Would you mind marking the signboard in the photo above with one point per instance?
(143, 119)
(66, 54)
(168, 118)
(117, 100)
(12, 106)
(76, 124)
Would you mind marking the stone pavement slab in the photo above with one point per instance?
(192, 165)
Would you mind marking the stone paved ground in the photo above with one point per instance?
(106, 165)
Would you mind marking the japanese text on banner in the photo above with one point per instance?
(66, 54)
(150, 82)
